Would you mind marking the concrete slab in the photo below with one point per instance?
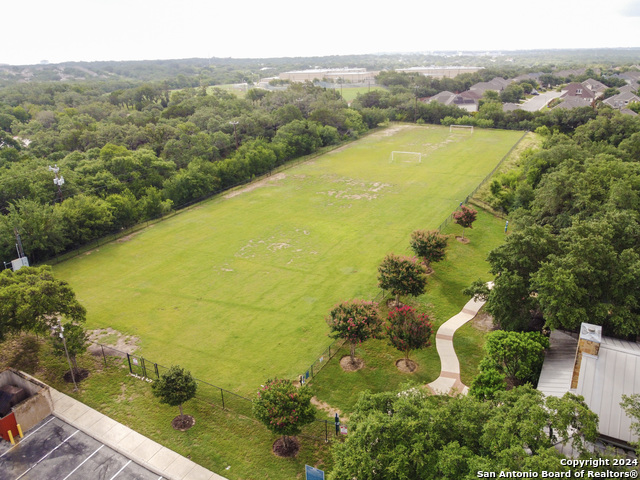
(89, 418)
(147, 449)
(115, 434)
(179, 468)
(130, 442)
(163, 458)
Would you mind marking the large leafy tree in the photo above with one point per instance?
(31, 299)
(355, 321)
(408, 330)
(283, 408)
(428, 245)
(512, 301)
(402, 276)
(595, 275)
(517, 355)
(412, 435)
(175, 387)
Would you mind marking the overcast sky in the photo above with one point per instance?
(86, 30)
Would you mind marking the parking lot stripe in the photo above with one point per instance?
(85, 460)
(118, 472)
(45, 456)
(27, 436)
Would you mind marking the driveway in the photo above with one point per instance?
(540, 101)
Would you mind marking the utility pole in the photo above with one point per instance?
(59, 180)
(66, 351)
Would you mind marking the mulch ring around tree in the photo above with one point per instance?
(78, 373)
(289, 449)
(183, 422)
(349, 366)
(462, 240)
(406, 366)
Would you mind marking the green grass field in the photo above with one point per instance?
(236, 290)
(350, 93)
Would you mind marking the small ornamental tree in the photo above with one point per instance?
(175, 387)
(284, 409)
(408, 330)
(76, 338)
(402, 276)
(355, 321)
(465, 217)
(428, 245)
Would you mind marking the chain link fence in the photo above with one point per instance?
(444, 224)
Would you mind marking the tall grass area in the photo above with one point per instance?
(463, 264)
(237, 289)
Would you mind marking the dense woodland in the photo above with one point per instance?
(130, 150)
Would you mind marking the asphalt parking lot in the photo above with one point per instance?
(54, 450)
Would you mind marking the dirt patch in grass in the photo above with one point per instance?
(483, 322)
(462, 240)
(325, 407)
(254, 185)
(406, 366)
(79, 374)
(116, 344)
(126, 238)
(349, 366)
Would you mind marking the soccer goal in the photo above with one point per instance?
(468, 128)
(407, 157)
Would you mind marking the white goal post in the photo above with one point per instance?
(410, 157)
(463, 127)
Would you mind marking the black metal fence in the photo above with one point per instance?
(147, 370)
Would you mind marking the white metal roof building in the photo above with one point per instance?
(602, 377)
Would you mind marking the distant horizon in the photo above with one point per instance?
(454, 52)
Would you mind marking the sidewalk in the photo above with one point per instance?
(129, 443)
(449, 381)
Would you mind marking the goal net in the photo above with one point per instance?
(468, 128)
(407, 157)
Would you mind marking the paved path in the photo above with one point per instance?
(138, 448)
(449, 381)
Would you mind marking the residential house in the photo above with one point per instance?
(595, 86)
(510, 107)
(498, 84)
(629, 88)
(622, 100)
(599, 368)
(465, 100)
(569, 103)
(577, 90)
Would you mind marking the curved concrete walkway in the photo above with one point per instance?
(449, 382)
